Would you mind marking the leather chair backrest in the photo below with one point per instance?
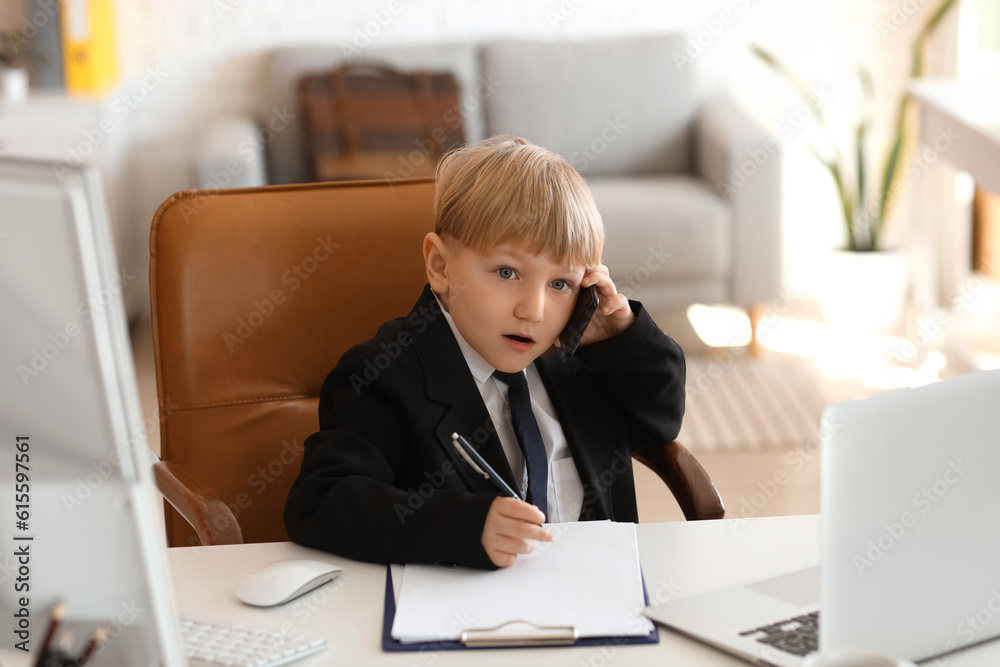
(256, 293)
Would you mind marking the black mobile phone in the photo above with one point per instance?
(586, 305)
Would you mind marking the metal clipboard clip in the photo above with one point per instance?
(532, 635)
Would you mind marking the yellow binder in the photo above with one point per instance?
(89, 47)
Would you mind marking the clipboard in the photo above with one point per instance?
(505, 636)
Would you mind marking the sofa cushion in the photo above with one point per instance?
(662, 300)
(662, 228)
(617, 106)
(284, 67)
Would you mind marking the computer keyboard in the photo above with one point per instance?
(207, 643)
(798, 635)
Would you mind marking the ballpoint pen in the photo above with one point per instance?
(479, 464)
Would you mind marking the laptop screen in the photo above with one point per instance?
(910, 503)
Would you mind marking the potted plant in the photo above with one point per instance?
(866, 282)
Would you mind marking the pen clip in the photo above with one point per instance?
(465, 455)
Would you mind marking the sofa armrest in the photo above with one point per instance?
(231, 154)
(742, 163)
(200, 504)
(687, 479)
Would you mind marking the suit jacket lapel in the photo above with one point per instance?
(449, 382)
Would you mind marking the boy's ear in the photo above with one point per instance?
(436, 262)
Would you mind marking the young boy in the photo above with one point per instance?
(517, 236)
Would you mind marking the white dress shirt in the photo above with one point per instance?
(565, 490)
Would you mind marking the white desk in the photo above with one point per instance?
(677, 559)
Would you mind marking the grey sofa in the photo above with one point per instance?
(654, 148)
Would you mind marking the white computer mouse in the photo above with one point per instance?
(284, 580)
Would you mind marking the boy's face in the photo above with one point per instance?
(510, 305)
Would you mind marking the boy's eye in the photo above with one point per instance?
(560, 284)
(505, 272)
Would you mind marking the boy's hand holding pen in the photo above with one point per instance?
(512, 525)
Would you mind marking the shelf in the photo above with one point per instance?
(971, 110)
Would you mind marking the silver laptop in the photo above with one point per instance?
(910, 537)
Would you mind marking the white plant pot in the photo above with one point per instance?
(865, 291)
(13, 84)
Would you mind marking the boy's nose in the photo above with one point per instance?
(531, 305)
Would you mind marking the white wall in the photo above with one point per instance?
(208, 54)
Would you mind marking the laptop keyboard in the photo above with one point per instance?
(798, 635)
(210, 643)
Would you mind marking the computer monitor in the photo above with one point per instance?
(79, 520)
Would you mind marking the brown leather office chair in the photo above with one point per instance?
(256, 293)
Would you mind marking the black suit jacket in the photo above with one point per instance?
(381, 482)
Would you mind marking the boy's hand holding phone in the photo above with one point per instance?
(613, 314)
(512, 526)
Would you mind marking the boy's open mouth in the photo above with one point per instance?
(518, 338)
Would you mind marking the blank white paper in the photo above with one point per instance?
(588, 578)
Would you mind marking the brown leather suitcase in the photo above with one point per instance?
(365, 121)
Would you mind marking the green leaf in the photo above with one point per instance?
(797, 84)
(861, 133)
(868, 89)
(889, 177)
(894, 158)
(846, 204)
(936, 17)
(862, 172)
(918, 44)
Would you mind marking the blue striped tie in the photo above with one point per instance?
(528, 437)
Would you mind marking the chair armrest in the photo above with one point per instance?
(201, 505)
(690, 484)
(741, 162)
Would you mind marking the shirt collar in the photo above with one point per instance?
(481, 369)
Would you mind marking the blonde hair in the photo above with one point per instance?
(508, 190)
